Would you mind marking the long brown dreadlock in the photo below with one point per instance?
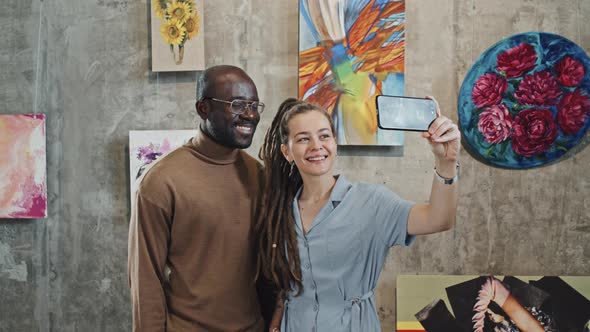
(278, 255)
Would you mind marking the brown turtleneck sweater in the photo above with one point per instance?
(191, 252)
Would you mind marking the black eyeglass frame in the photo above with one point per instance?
(240, 109)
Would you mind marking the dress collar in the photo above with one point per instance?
(338, 193)
(340, 189)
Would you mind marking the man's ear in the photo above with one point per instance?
(285, 151)
(202, 109)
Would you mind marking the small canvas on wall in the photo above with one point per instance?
(177, 35)
(350, 51)
(147, 146)
(23, 175)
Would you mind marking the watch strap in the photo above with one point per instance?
(444, 180)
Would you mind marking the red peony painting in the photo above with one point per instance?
(526, 101)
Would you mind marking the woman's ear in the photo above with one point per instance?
(285, 151)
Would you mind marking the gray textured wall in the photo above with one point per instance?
(86, 65)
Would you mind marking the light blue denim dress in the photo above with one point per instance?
(342, 255)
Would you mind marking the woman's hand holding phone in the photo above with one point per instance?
(424, 115)
(444, 138)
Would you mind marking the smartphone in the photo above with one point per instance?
(405, 113)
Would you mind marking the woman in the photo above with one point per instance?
(323, 239)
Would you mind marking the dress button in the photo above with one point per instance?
(313, 286)
(315, 307)
(306, 266)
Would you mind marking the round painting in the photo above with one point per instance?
(525, 101)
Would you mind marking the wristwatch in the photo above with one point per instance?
(444, 180)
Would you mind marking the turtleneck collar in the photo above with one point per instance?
(211, 151)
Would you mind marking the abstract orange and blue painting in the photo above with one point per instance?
(350, 51)
(23, 189)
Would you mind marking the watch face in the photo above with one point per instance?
(444, 180)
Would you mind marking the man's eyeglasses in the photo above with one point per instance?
(239, 106)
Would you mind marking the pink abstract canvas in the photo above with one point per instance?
(23, 188)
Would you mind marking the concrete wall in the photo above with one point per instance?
(86, 65)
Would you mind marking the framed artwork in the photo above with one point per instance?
(350, 51)
(177, 35)
(493, 304)
(525, 102)
(23, 173)
(147, 146)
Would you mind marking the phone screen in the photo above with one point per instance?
(405, 113)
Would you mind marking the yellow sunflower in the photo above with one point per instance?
(160, 7)
(179, 10)
(173, 32)
(192, 25)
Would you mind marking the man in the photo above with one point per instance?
(191, 251)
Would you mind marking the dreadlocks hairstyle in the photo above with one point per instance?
(278, 255)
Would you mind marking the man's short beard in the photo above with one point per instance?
(225, 138)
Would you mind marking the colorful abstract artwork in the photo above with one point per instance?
(350, 51)
(493, 303)
(23, 174)
(525, 102)
(177, 35)
(147, 146)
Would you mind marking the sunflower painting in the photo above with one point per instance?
(177, 35)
